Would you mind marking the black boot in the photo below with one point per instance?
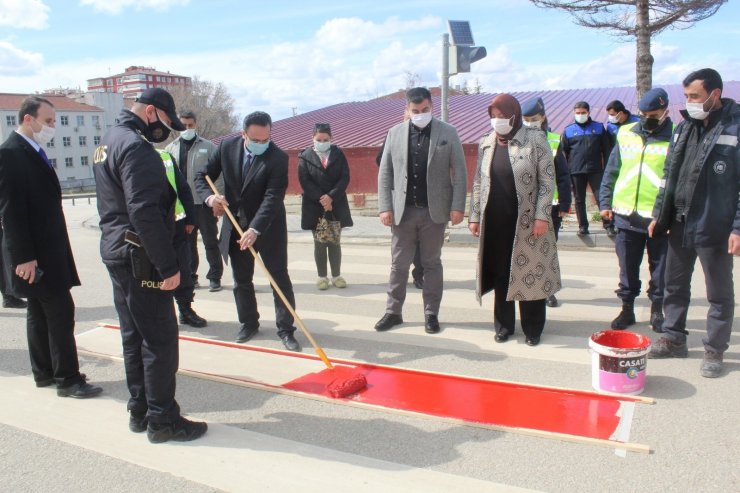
(626, 317)
(656, 316)
(189, 317)
(13, 302)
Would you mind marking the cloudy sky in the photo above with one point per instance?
(276, 55)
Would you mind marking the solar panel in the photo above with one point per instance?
(461, 33)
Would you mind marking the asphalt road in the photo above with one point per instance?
(263, 441)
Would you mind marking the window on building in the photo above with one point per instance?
(80, 120)
(50, 144)
(64, 120)
(67, 141)
(11, 121)
(96, 120)
(83, 141)
(84, 160)
(96, 140)
(53, 162)
(109, 82)
(68, 162)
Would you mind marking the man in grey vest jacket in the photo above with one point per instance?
(421, 185)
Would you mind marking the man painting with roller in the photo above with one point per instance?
(136, 205)
(255, 174)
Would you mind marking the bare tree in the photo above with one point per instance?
(639, 20)
(411, 79)
(212, 104)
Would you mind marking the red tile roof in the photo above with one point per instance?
(10, 101)
(365, 123)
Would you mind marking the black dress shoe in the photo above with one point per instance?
(48, 382)
(418, 283)
(189, 317)
(501, 336)
(290, 343)
(81, 390)
(388, 321)
(13, 302)
(182, 430)
(552, 301)
(532, 341)
(246, 333)
(196, 284)
(137, 422)
(611, 231)
(214, 285)
(431, 325)
(582, 232)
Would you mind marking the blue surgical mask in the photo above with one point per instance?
(321, 146)
(257, 148)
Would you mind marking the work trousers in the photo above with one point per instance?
(416, 226)
(579, 191)
(150, 345)
(50, 329)
(207, 224)
(717, 266)
(274, 254)
(185, 292)
(630, 247)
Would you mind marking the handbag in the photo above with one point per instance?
(327, 231)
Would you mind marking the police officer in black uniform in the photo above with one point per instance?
(136, 204)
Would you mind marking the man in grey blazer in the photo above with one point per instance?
(421, 185)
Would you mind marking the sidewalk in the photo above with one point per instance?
(368, 230)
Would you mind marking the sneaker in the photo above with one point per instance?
(137, 422)
(322, 283)
(182, 430)
(711, 365)
(666, 348)
(339, 282)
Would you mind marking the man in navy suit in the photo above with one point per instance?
(255, 174)
(36, 250)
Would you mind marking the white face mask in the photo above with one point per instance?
(612, 119)
(582, 118)
(533, 124)
(501, 125)
(321, 146)
(421, 120)
(188, 134)
(44, 135)
(696, 110)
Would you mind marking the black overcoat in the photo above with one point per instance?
(317, 181)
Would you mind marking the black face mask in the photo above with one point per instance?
(651, 124)
(157, 131)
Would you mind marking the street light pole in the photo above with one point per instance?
(445, 73)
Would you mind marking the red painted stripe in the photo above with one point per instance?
(512, 405)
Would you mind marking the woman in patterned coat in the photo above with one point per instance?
(510, 212)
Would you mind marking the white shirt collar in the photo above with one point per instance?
(33, 143)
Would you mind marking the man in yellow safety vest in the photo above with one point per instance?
(628, 192)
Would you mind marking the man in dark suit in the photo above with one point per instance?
(36, 250)
(255, 174)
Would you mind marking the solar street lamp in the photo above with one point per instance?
(458, 56)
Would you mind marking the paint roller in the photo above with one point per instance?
(339, 387)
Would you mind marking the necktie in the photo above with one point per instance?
(245, 167)
(45, 158)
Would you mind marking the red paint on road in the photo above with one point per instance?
(475, 400)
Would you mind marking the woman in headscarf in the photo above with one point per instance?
(510, 212)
